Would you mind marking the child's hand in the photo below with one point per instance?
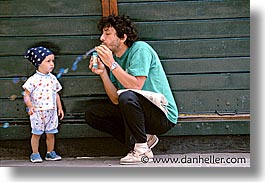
(61, 114)
(31, 110)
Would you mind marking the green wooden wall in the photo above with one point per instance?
(204, 47)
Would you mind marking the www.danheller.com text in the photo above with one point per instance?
(209, 159)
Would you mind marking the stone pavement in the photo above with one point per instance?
(169, 160)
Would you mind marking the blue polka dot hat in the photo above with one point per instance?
(37, 54)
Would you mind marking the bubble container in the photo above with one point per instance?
(95, 60)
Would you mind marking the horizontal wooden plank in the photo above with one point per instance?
(210, 128)
(177, 10)
(17, 8)
(206, 65)
(72, 86)
(182, 128)
(80, 119)
(67, 44)
(187, 29)
(202, 48)
(196, 82)
(213, 117)
(222, 101)
(17, 66)
(43, 26)
(92, 85)
(170, 49)
(181, 118)
(73, 107)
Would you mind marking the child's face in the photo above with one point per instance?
(47, 65)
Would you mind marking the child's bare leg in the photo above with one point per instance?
(50, 140)
(35, 143)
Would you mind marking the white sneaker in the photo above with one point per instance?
(134, 157)
(152, 140)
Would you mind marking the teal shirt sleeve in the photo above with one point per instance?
(140, 62)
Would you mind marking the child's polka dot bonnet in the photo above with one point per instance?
(37, 54)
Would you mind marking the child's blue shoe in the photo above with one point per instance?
(35, 158)
(52, 156)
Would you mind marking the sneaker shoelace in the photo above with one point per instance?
(53, 154)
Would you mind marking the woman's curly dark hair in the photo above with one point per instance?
(122, 25)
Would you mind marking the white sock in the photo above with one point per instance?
(141, 147)
(148, 136)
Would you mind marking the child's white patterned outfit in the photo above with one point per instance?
(43, 89)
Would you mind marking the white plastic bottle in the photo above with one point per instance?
(94, 59)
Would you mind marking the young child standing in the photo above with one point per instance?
(43, 102)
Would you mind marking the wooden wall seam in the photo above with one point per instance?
(109, 7)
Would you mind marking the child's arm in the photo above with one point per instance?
(28, 103)
(59, 105)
